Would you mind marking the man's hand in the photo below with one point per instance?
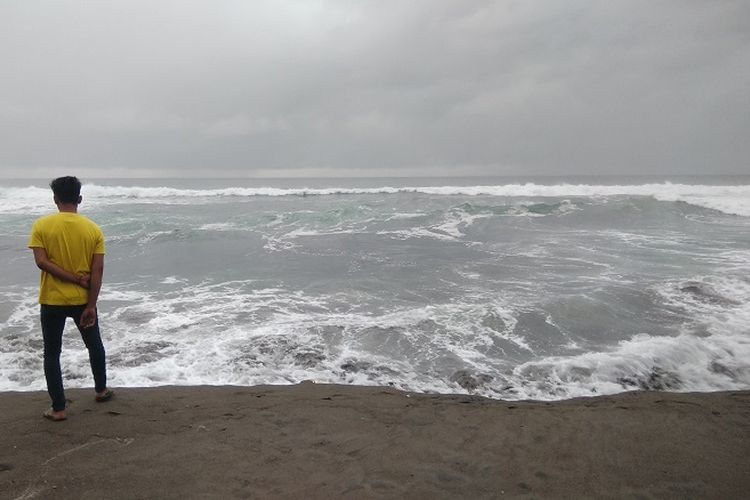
(88, 317)
(42, 261)
(84, 281)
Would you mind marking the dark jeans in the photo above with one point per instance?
(53, 322)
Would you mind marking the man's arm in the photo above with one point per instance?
(46, 265)
(88, 317)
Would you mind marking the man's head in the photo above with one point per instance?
(67, 190)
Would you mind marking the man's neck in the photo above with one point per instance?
(70, 208)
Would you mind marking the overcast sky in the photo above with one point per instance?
(342, 88)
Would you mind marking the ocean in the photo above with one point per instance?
(510, 288)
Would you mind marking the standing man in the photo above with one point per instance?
(69, 249)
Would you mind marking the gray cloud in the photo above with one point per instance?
(419, 87)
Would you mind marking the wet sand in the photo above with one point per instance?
(328, 441)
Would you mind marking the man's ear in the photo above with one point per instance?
(57, 202)
(80, 198)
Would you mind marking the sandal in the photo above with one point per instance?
(105, 396)
(55, 416)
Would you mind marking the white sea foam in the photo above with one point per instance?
(231, 333)
(418, 232)
(683, 363)
(712, 352)
(733, 200)
(451, 228)
(402, 216)
(219, 226)
(285, 242)
(457, 221)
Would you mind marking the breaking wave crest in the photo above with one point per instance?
(734, 200)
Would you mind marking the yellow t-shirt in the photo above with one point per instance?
(70, 240)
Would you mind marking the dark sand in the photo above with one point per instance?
(326, 441)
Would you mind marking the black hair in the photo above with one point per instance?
(67, 189)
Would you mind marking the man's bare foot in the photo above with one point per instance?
(104, 395)
(55, 416)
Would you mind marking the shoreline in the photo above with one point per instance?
(333, 441)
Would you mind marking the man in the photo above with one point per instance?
(69, 249)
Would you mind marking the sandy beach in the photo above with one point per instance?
(328, 441)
